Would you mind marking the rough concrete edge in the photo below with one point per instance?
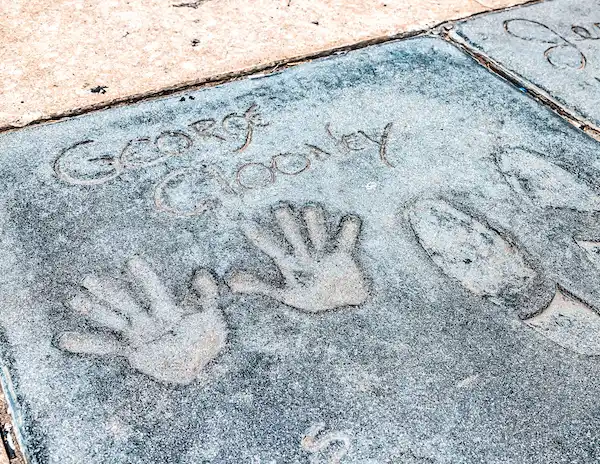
(256, 71)
(11, 421)
(537, 93)
(9, 410)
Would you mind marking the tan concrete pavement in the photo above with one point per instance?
(69, 55)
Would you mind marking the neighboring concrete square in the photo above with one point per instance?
(384, 257)
(553, 46)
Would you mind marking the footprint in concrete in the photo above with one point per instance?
(168, 342)
(488, 264)
(320, 273)
(469, 251)
(569, 322)
(544, 183)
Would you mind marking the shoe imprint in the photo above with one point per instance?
(488, 265)
(469, 251)
(569, 322)
(545, 184)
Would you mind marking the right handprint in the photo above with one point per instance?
(320, 273)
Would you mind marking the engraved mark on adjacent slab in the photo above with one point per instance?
(561, 53)
(320, 274)
(592, 248)
(467, 250)
(326, 448)
(570, 323)
(545, 183)
(592, 32)
(169, 342)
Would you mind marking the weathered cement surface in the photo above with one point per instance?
(388, 256)
(68, 55)
(554, 46)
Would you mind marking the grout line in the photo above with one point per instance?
(536, 93)
(10, 436)
(255, 71)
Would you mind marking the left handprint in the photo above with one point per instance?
(166, 341)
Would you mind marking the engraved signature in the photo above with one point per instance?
(79, 164)
(561, 52)
(591, 33)
(192, 191)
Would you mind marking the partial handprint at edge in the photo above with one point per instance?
(166, 342)
(317, 277)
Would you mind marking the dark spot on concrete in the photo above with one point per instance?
(194, 5)
(99, 89)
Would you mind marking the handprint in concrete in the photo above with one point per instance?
(164, 340)
(320, 271)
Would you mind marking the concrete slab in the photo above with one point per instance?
(387, 256)
(67, 55)
(552, 47)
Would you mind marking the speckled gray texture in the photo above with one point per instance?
(435, 300)
(553, 45)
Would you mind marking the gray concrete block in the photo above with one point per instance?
(388, 256)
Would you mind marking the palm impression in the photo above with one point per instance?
(320, 271)
(159, 338)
